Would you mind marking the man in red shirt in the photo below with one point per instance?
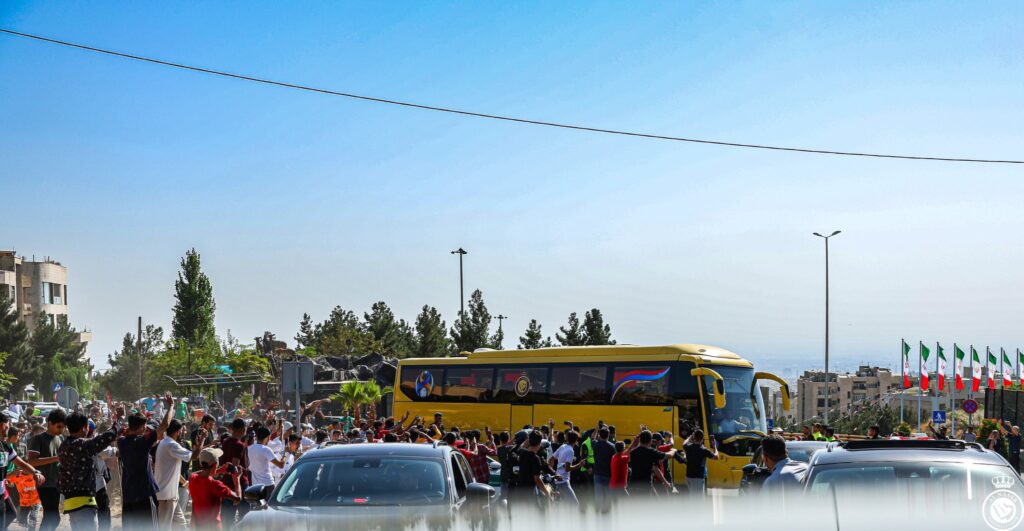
(235, 454)
(620, 468)
(208, 493)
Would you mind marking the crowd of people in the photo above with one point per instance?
(174, 466)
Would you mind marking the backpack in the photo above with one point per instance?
(510, 467)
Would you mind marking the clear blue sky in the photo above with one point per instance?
(299, 202)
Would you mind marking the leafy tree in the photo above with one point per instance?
(341, 334)
(533, 337)
(572, 336)
(305, 337)
(20, 365)
(431, 339)
(194, 306)
(497, 339)
(595, 331)
(60, 355)
(122, 379)
(395, 337)
(472, 331)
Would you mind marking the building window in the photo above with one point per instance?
(53, 293)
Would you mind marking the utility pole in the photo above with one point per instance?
(501, 318)
(827, 383)
(462, 293)
(138, 350)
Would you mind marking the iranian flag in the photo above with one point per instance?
(958, 367)
(1020, 371)
(924, 367)
(989, 367)
(975, 371)
(1007, 369)
(906, 366)
(942, 367)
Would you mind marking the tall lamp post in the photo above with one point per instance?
(462, 294)
(827, 383)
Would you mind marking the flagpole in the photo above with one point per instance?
(938, 377)
(921, 364)
(903, 374)
(970, 390)
(952, 396)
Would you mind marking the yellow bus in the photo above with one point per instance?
(674, 388)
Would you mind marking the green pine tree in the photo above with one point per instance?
(395, 337)
(533, 337)
(194, 306)
(595, 331)
(122, 379)
(21, 364)
(431, 336)
(305, 336)
(61, 356)
(572, 336)
(472, 331)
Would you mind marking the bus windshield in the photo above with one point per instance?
(743, 413)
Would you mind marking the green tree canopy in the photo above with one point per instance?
(395, 337)
(571, 336)
(305, 337)
(122, 379)
(595, 331)
(61, 357)
(472, 331)
(20, 364)
(431, 335)
(533, 337)
(194, 306)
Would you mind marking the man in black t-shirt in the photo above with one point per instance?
(531, 467)
(42, 454)
(696, 460)
(643, 461)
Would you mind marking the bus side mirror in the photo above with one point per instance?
(717, 388)
(780, 381)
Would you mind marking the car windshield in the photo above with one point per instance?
(913, 482)
(363, 481)
(744, 408)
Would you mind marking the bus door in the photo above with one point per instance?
(520, 415)
(687, 419)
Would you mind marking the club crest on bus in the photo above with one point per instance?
(424, 384)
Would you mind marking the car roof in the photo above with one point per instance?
(885, 451)
(381, 450)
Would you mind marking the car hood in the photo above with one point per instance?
(350, 517)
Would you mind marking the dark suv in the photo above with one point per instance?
(374, 483)
(950, 484)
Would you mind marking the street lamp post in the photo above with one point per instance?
(462, 294)
(827, 383)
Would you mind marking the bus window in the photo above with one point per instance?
(522, 384)
(689, 416)
(468, 384)
(640, 385)
(578, 385)
(422, 383)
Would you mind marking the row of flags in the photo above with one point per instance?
(924, 353)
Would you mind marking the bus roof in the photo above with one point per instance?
(700, 354)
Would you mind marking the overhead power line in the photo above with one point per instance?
(498, 116)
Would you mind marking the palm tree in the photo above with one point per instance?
(374, 393)
(351, 396)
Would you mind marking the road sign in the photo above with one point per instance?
(970, 406)
(939, 416)
(297, 377)
(771, 423)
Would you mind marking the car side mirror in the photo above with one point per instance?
(258, 494)
(479, 492)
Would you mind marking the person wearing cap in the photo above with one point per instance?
(208, 493)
